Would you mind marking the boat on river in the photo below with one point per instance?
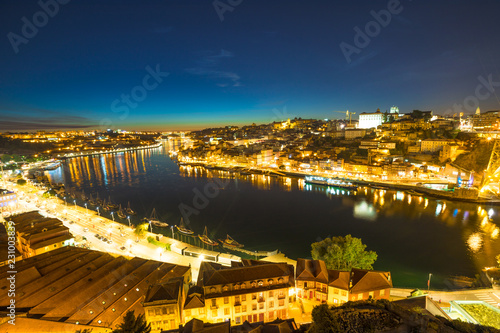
(330, 182)
(183, 229)
(231, 243)
(205, 239)
(129, 210)
(155, 221)
(121, 213)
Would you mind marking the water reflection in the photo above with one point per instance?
(475, 227)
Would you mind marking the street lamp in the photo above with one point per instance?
(65, 202)
(74, 201)
(172, 228)
(98, 212)
(429, 282)
(113, 216)
(86, 209)
(128, 218)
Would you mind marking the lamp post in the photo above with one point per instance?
(65, 202)
(86, 209)
(128, 218)
(74, 201)
(429, 282)
(98, 212)
(113, 216)
(172, 228)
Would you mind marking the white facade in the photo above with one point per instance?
(371, 120)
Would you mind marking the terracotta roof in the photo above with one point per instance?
(308, 269)
(339, 279)
(241, 274)
(364, 280)
(168, 291)
(195, 298)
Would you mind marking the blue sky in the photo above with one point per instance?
(265, 60)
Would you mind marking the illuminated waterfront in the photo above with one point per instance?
(413, 235)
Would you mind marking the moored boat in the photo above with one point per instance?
(183, 229)
(121, 214)
(205, 239)
(330, 182)
(155, 221)
(129, 210)
(231, 243)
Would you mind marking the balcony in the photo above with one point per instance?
(282, 296)
(214, 307)
(321, 290)
(237, 303)
(261, 299)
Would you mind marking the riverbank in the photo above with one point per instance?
(119, 150)
(402, 185)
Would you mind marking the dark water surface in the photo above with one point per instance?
(413, 236)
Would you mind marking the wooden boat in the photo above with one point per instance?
(129, 210)
(183, 229)
(331, 182)
(112, 205)
(92, 201)
(83, 196)
(231, 243)
(97, 200)
(204, 238)
(121, 213)
(105, 205)
(155, 221)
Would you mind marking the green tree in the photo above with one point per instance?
(343, 253)
(140, 229)
(131, 324)
(21, 181)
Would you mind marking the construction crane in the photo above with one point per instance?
(348, 115)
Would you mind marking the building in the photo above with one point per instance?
(8, 200)
(487, 121)
(163, 304)
(75, 287)
(371, 120)
(434, 145)
(250, 291)
(350, 134)
(317, 283)
(37, 234)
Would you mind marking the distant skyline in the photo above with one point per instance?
(183, 65)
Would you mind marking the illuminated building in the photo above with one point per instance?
(8, 199)
(434, 145)
(250, 291)
(37, 234)
(371, 120)
(317, 283)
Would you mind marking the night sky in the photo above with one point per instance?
(167, 65)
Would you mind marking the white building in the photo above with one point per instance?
(371, 120)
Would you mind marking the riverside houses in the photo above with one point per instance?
(250, 291)
(315, 282)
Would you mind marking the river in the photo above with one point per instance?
(412, 235)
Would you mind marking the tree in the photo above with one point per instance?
(140, 229)
(131, 324)
(343, 253)
(21, 181)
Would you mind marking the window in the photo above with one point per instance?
(226, 311)
(170, 310)
(254, 307)
(244, 308)
(281, 302)
(382, 292)
(157, 312)
(236, 299)
(225, 288)
(370, 294)
(254, 296)
(243, 285)
(243, 298)
(212, 290)
(270, 294)
(214, 302)
(236, 286)
(360, 297)
(201, 311)
(261, 306)
(260, 283)
(151, 312)
(253, 284)
(238, 320)
(188, 312)
(335, 291)
(344, 293)
(214, 313)
(271, 304)
(237, 309)
(226, 300)
(172, 324)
